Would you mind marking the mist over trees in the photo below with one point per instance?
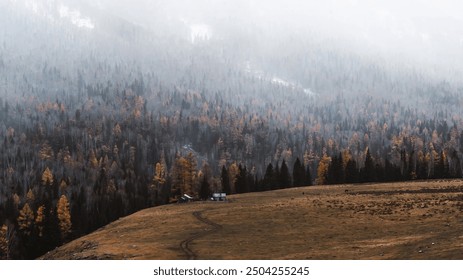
(101, 117)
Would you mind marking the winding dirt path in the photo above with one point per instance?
(185, 244)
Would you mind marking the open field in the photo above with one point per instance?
(412, 220)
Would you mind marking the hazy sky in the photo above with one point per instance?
(426, 31)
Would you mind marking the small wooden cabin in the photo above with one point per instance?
(219, 197)
(185, 198)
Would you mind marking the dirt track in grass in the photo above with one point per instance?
(185, 244)
(412, 220)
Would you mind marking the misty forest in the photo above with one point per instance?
(106, 110)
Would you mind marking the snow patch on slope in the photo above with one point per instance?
(276, 80)
(53, 11)
(75, 17)
(200, 32)
(37, 8)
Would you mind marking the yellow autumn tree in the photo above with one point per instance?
(26, 219)
(117, 130)
(63, 186)
(46, 152)
(66, 156)
(346, 157)
(47, 177)
(40, 219)
(3, 242)
(160, 175)
(64, 216)
(159, 179)
(184, 175)
(92, 159)
(322, 170)
(233, 172)
(16, 200)
(30, 196)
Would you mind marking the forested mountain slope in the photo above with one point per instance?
(102, 115)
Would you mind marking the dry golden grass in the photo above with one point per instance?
(413, 220)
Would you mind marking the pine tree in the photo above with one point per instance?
(322, 170)
(46, 152)
(369, 169)
(3, 242)
(204, 191)
(233, 173)
(268, 182)
(30, 196)
(276, 178)
(351, 172)
(445, 165)
(117, 130)
(308, 177)
(26, 220)
(93, 160)
(51, 230)
(403, 166)
(64, 217)
(298, 173)
(47, 177)
(159, 180)
(191, 174)
(241, 180)
(225, 181)
(336, 170)
(284, 178)
(456, 166)
(39, 220)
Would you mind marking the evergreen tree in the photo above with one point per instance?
(308, 177)
(336, 171)
(26, 220)
(298, 173)
(51, 231)
(445, 165)
(456, 167)
(184, 176)
(404, 165)
(204, 191)
(191, 174)
(369, 169)
(268, 181)
(47, 177)
(39, 220)
(225, 180)
(351, 172)
(3, 242)
(64, 217)
(276, 178)
(158, 182)
(322, 170)
(241, 185)
(284, 178)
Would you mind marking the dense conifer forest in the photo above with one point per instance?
(96, 125)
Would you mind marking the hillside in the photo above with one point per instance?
(415, 220)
